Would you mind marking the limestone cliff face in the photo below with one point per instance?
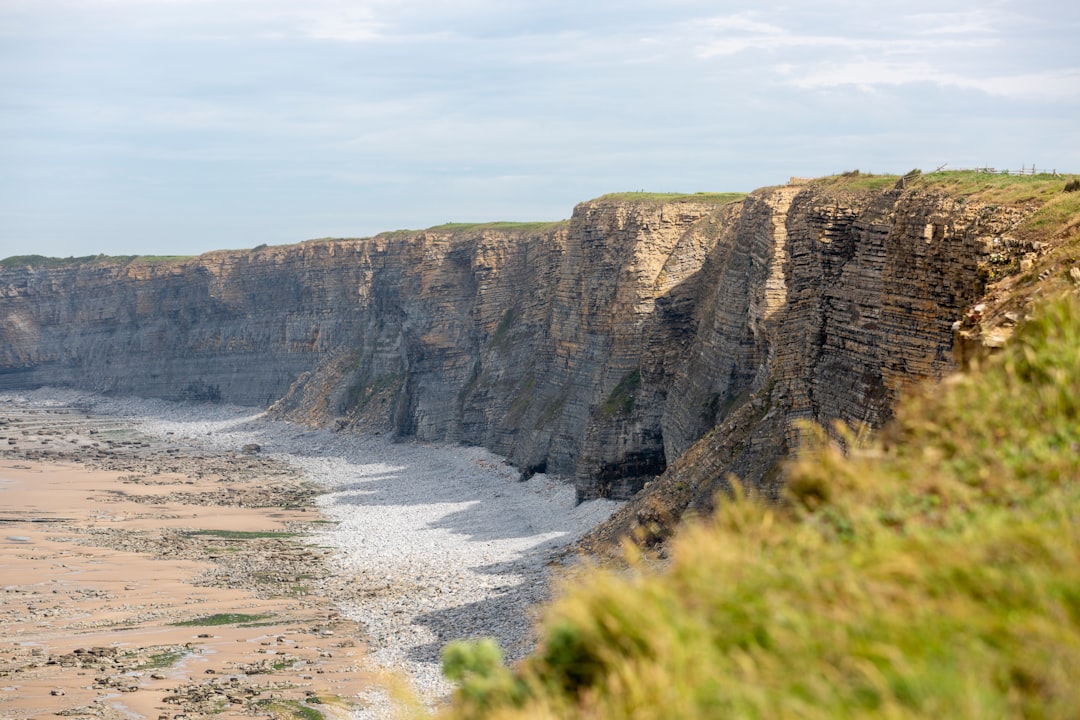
(603, 347)
(234, 326)
(826, 306)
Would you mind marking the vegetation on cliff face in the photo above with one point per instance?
(933, 571)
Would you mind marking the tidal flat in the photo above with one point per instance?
(184, 561)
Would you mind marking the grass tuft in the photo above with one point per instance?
(162, 660)
(245, 534)
(221, 619)
(621, 398)
(855, 180)
(290, 710)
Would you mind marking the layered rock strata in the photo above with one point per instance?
(602, 347)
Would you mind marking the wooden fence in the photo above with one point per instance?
(1024, 170)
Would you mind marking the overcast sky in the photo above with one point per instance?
(180, 126)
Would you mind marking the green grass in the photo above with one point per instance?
(621, 398)
(990, 188)
(932, 571)
(292, 709)
(856, 180)
(362, 391)
(162, 660)
(150, 259)
(221, 619)
(219, 550)
(552, 410)
(660, 197)
(41, 261)
(522, 399)
(1060, 214)
(502, 331)
(245, 534)
(499, 225)
(999, 189)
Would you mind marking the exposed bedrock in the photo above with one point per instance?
(603, 347)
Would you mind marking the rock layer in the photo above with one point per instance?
(603, 347)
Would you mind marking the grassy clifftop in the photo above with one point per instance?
(716, 198)
(508, 226)
(42, 261)
(987, 187)
(933, 571)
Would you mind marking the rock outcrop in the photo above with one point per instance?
(603, 347)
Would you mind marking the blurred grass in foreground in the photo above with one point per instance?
(933, 571)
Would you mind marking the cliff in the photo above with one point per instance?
(642, 330)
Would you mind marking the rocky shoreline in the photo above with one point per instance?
(148, 577)
(395, 547)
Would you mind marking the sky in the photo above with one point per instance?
(170, 127)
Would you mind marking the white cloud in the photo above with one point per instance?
(870, 74)
(738, 33)
(338, 20)
(345, 24)
(967, 23)
(1050, 85)
(346, 107)
(744, 22)
(964, 50)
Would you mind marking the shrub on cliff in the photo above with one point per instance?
(933, 572)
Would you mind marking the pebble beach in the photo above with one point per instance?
(417, 544)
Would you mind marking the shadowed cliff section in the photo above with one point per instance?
(882, 287)
(602, 347)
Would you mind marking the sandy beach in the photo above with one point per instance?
(166, 561)
(118, 559)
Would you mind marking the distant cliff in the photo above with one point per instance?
(602, 347)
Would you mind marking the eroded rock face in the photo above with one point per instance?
(603, 347)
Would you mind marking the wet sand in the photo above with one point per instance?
(109, 539)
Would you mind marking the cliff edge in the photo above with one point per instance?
(647, 336)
